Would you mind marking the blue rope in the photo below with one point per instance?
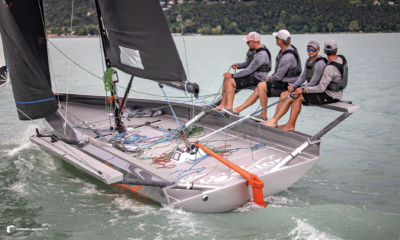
(255, 147)
(210, 105)
(189, 171)
(177, 121)
(162, 89)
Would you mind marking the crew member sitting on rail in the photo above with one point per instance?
(312, 73)
(256, 69)
(287, 69)
(329, 89)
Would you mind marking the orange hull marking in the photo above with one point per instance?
(143, 191)
(135, 188)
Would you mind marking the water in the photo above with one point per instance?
(352, 192)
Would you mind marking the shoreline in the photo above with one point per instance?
(200, 35)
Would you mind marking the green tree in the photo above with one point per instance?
(314, 29)
(280, 26)
(305, 28)
(217, 30)
(232, 29)
(330, 27)
(324, 29)
(226, 24)
(353, 26)
(282, 17)
(266, 28)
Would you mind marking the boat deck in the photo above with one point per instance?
(209, 170)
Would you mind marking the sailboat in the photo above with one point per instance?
(3, 66)
(183, 154)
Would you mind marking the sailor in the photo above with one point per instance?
(328, 90)
(255, 70)
(312, 72)
(287, 69)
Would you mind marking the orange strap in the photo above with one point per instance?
(112, 98)
(253, 179)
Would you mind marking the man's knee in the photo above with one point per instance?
(255, 92)
(262, 86)
(231, 82)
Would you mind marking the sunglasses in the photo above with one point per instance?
(248, 42)
(311, 50)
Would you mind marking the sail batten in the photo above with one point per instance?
(138, 40)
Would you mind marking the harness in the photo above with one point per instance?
(343, 68)
(294, 72)
(250, 56)
(310, 67)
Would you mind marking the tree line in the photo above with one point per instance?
(234, 17)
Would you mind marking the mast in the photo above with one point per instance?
(103, 34)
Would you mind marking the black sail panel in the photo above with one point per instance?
(25, 48)
(138, 40)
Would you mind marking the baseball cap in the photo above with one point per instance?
(330, 44)
(282, 34)
(252, 36)
(313, 43)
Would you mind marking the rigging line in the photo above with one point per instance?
(226, 137)
(183, 37)
(265, 139)
(205, 96)
(102, 60)
(184, 47)
(69, 54)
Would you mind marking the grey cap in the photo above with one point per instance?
(330, 44)
(313, 43)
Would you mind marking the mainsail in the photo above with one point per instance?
(137, 39)
(25, 47)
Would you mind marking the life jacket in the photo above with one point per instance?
(310, 67)
(250, 56)
(343, 68)
(294, 72)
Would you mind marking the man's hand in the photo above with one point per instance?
(269, 78)
(290, 87)
(227, 75)
(235, 66)
(297, 92)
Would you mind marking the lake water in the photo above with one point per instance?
(353, 192)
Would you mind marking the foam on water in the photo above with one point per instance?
(250, 206)
(16, 150)
(20, 188)
(23, 166)
(303, 230)
(122, 202)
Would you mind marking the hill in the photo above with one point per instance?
(233, 17)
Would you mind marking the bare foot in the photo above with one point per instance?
(236, 110)
(286, 127)
(219, 108)
(270, 123)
